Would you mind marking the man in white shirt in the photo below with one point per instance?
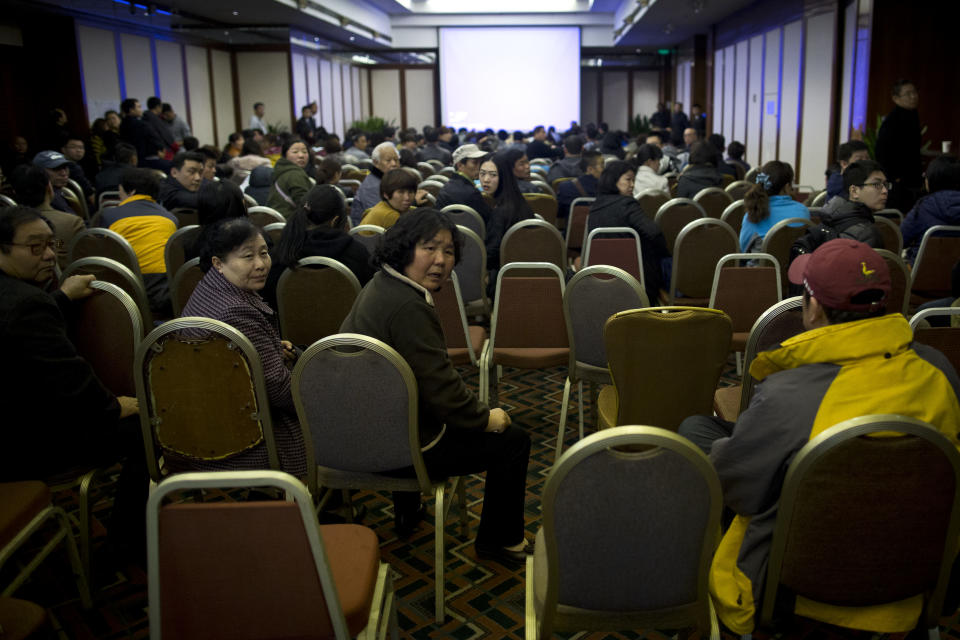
(648, 176)
(256, 120)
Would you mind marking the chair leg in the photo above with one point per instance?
(580, 405)
(462, 497)
(739, 357)
(561, 430)
(81, 579)
(439, 568)
(348, 501)
(530, 631)
(86, 483)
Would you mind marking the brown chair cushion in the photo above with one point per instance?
(19, 618)
(20, 502)
(531, 358)
(726, 402)
(353, 552)
(739, 341)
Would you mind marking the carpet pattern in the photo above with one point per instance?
(484, 599)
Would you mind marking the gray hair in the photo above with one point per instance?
(380, 148)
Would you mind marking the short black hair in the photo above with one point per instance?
(222, 237)
(128, 105)
(181, 158)
(718, 141)
(702, 152)
(943, 173)
(219, 199)
(400, 241)
(587, 158)
(153, 102)
(124, 153)
(190, 143)
(900, 84)
(166, 108)
(397, 180)
(208, 153)
(431, 135)
(12, 218)
(30, 184)
(142, 181)
(858, 172)
(846, 150)
(257, 104)
(573, 145)
(735, 150)
(647, 152)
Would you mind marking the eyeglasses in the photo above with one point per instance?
(37, 248)
(879, 186)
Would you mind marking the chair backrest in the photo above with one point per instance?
(616, 247)
(651, 200)
(939, 251)
(186, 216)
(780, 238)
(341, 428)
(594, 547)
(733, 215)
(899, 299)
(946, 340)
(262, 216)
(436, 164)
(745, 293)
(890, 233)
(111, 271)
(700, 246)
(442, 178)
(274, 231)
(7, 201)
(100, 242)
(175, 251)
(543, 204)
(426, 169)
(472, 269)
(77, 202)
(313, 299)
(465, 216)
(893, 215)
(184, 281)
(665, 366)
(431, 186)
(106, 330)
(674, 216)
(751, 176)
(593, 295)
(714, 201)
(528, 307)
(781, 321)
(369, 235)
(208, 561)
(533, 241)
(202, 393)
(108, 198)
(448, 302)
(577, 223)
(556, 182)
(835, 540)
(250, 201)
(447, 171)
(737, 189)
(819, 200)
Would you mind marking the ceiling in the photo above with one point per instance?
(662, 23)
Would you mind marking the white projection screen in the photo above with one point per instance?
(509, 77)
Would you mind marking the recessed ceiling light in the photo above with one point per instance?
(316, 39)
(352, 38)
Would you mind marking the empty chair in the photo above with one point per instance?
(369, 235)
(262, 216)
(890, 233)
(714, 201)
(594, 294)
(781, 321)
(617, 247)
(186, 216)
(835, 542)
(939, 251)
(426, 169)
(737, 189)
(464, 341)
(442, 178)
(733, 215)
(674, 216)
(745, 292)
(651, 200)
(352, 184)
(577, 224)
(113, 272)
(100, 242)
(184, 281)
(527, 328)
(472, 274)
(898, 300)
(430, 186)
(177, 248)
(543, 204)
(780, 238)
(699, 247)
(946, 340)
(464, 216)
(665, 363)
(533, 241)
(202, 396)
(313, 299)
(352, 443)
(599, 501)
(261, 568)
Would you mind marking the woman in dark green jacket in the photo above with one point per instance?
(290, 181)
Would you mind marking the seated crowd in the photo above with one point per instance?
(856, 356)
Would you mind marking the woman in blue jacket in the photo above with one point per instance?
(768, 202)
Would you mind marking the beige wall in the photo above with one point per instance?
(264, 76)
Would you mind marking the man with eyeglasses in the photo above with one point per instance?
(58, 415)
(866, 188)
(898, 145)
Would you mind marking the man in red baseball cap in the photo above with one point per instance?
(853, 360)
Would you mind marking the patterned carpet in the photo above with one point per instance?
(485, 599)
